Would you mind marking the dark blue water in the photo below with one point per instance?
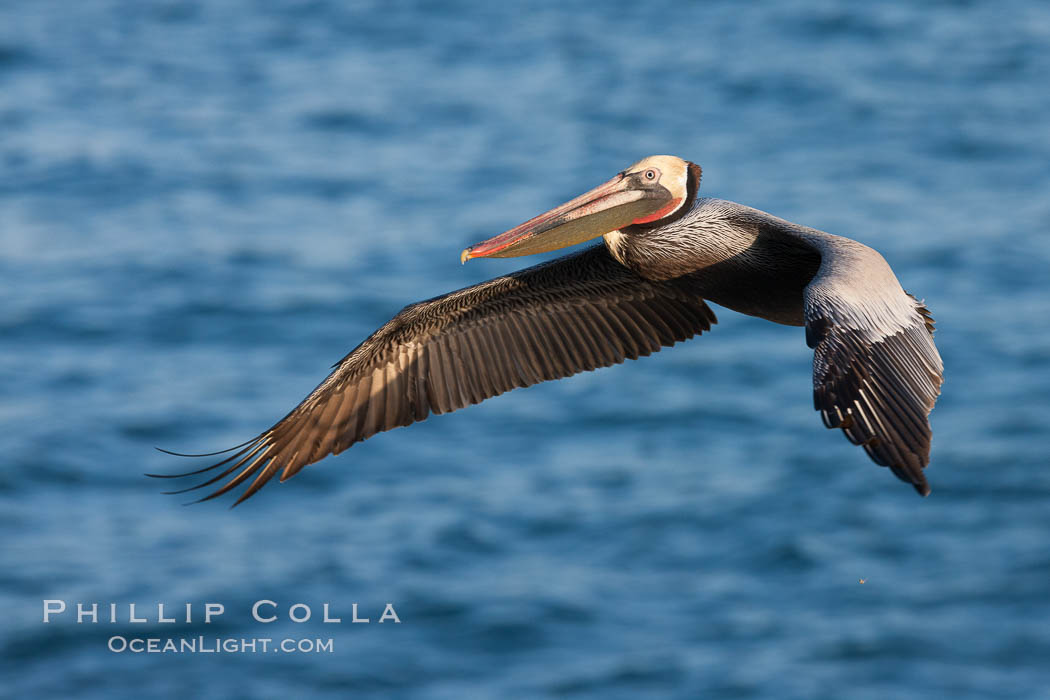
(205, 204)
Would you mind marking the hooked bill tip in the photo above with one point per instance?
(464, 256)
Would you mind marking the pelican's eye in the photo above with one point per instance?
(650, 174)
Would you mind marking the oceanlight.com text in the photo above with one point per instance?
(219, 645)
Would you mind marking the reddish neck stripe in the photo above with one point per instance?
(660, 213)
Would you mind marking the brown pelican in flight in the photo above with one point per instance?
(876, 371)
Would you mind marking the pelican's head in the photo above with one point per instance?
(653, 190)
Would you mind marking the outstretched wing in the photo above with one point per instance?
(876, 371)
(577, 313)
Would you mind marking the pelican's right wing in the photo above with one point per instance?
(876, 371)
(577, 313)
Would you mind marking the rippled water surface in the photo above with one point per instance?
(205, 204)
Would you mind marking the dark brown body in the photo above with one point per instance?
(735, 256)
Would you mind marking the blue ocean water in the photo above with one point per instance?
(205, 204)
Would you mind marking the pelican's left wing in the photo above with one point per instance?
(577, 313)
(876, 371)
